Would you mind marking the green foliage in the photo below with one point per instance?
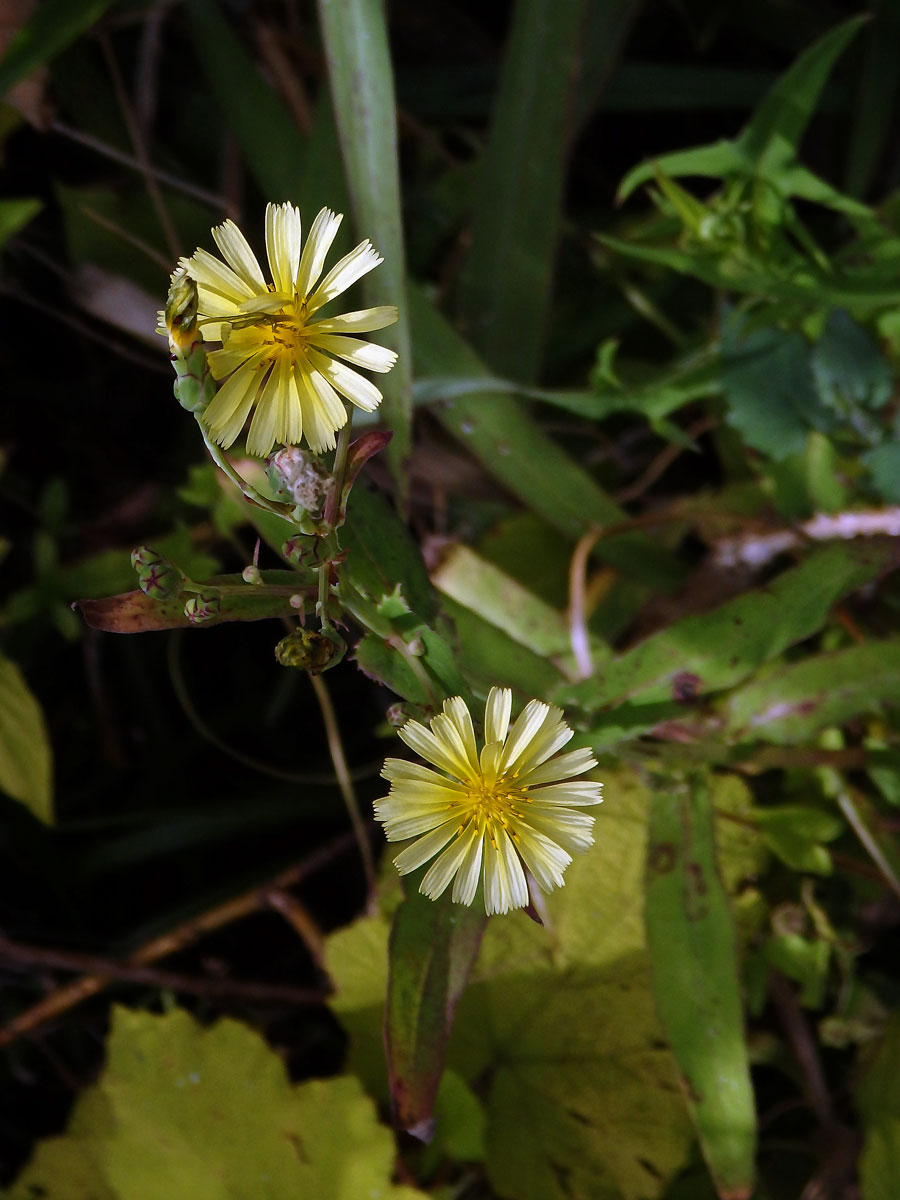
(26, 763)
(232, 1125)
(633, 431)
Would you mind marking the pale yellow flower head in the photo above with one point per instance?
(278, 359)
(497, 813)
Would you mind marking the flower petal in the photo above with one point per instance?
(364, 320)
(284, 237)
(237, 253)
(362, 354)
(505, 886)
(429, 747)
(228, 410)
(496, 714)
(212, 274)
(464, 852)
(426, 847)
(561, 767)
(358, 390)
(361, 259)
(312, 260)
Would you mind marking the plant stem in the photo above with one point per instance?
(345, 783)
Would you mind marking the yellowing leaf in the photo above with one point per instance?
(185, 1112)
(25, 759)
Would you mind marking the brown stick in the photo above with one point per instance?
(184, 935)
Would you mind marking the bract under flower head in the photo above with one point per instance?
(276, 361)
(497, 813)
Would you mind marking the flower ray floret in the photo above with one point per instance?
(502, 813)
(279, 359)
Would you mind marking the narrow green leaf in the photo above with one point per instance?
(696, 981)
(362, 87)
(513, 448)
(26, 763)
(715, 650)
(502, 601)
(271, 142)
(715, 161)
(505, 287)
(432, 949)
(773, 134)
(489, 656)
(793, 703)
(54, 25)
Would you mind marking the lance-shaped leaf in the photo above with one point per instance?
(696, 983)
(355, 38)
(718, 649)
(793, 703)
(134, 612)
(432, 948)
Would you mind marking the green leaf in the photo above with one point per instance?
(696, 982)
(716, 161)
(270, 140)
(878, 1102)
(362, 87)
(849, 370)
(381, 554)
(15, 214)
(718, 649)
(506, 282)
(489, 656)
(769, 391)
(794, 832)
(791, 704)
(511, 446)
(884, 463)
(186, 1111)
(26, 764)
(54, 25)
(502, 601)
(773, 134)
(432, 948)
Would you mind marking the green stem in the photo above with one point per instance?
(339, 470)
(247, 490)
(336, 750)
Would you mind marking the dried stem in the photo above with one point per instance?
(176, 940)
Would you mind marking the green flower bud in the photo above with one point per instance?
(313, 650)
(157, 577)
(203, 607)
(295, 550)
(298, 477)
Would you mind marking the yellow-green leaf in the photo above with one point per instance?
(185, 1112)
(26, 765)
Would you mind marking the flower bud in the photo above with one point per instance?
(297, 476)
(157, 577)
(181, 310)
(313, 650)
(203, 607)
(295, 549)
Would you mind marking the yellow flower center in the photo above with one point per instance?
(491, 805)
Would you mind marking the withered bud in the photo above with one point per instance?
(313, 650)
(297, 476)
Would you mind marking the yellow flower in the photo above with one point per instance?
(508, 809)
(275, 358)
